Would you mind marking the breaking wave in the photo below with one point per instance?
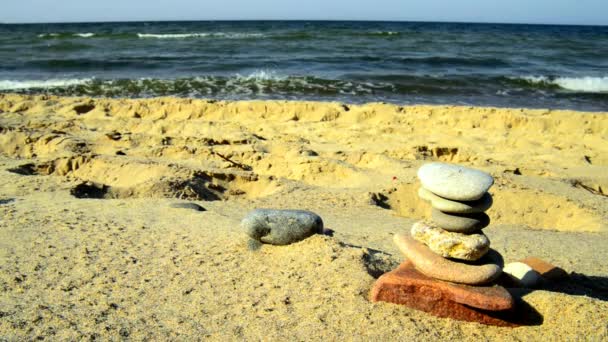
(578, 84)
(41, 84)
(66, 35)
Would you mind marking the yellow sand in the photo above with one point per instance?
(127, 265)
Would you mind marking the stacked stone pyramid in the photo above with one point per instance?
(450, 269)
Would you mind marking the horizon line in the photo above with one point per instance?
(298, 20)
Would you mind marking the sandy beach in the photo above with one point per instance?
(91, 248)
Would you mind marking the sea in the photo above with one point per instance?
(504, 65)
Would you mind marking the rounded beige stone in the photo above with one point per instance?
(448, 206)
(435, 266)
(451, 245)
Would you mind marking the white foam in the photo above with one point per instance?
(387, 33)
(173, 35)
(262, 75)
(233, 35)
(44, 35)
(84, 35)
(585, 84)
(534, 79)
(37, 84)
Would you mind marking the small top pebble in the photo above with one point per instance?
(455, 182)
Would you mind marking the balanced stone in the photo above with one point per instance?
(451, 245)
(460, 223)
(435, 266)
(448, 206)
(281, 227)
(407, 286)
(455, 182)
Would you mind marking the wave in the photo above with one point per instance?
(261, 83)
(228, 35)
(586, 84)
(269, 84)
(42, 84)
(286, 35)
(48, 35)
(385, 33)
(85, 35)
(66, 35)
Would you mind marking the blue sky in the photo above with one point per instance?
(589, 12)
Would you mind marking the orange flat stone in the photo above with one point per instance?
(545, 269)
(407, 286)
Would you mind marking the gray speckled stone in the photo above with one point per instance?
(281, 227)
(460, 223)
(449, 206)
(455, 182)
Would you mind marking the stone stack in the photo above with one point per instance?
(450, 268)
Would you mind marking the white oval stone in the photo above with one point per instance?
(522, 274)
(455, 182)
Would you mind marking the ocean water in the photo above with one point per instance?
(355, 62)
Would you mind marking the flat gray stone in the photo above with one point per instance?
(449, 206)
(281, 227)
(455, 182)
(460, 223)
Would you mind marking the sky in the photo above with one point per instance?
(583, 12)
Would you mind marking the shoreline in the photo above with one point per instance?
(168, 100)
(91, 247)
(291, 101)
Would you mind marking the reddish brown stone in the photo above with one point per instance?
(406, 286)
(547, 270)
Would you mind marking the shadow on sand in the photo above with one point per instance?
(576, 284)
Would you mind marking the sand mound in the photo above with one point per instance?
(110, 177)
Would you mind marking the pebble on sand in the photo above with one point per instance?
(187, 205)
(522, 274)
(547, 270)
(281, 227)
